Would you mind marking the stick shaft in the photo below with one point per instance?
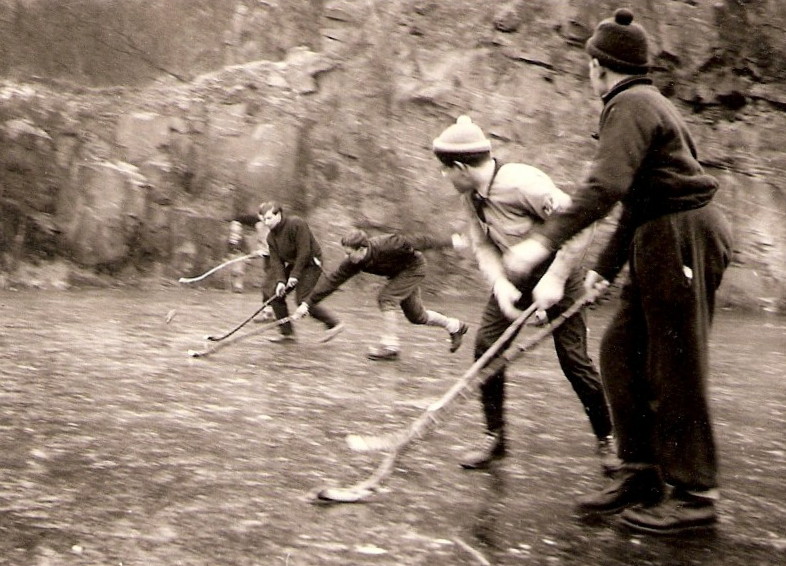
(229, 333)
(215, 347)
(216, 268)
(477, 373)
(480, 371)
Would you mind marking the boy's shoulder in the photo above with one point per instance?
(521, 174)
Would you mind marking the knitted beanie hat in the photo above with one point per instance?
(620, 44)
(463, 137)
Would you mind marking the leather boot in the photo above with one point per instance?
(630, 486)
(492, 448)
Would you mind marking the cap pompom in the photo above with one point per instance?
(623, 16)
(462, 137)
(620, 44)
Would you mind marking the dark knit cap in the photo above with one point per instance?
(620, 44)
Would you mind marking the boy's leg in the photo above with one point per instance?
(570, 343)
(237, 275)
(416, 313)
(492, 392)
(390, 298)
(280, 309)
(308, 281)
(621, 362)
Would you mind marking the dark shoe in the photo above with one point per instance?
(628, 488)
(331, 333)
(493, 448)
(457, 336)
(380, 353)
(674, 515)
(607, 452)
(282, 338)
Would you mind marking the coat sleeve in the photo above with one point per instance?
(487, 255)
(423, 242)
(625, 135)
(329, 283)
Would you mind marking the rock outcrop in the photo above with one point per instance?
(330, 107)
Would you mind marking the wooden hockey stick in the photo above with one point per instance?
(361, 443)
(216, 346)
(216, 268)
(427, 420)
(227, 334)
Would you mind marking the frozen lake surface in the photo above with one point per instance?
(117, 448)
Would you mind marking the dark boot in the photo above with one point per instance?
(629, 487)
(676, 514)
(492, 448)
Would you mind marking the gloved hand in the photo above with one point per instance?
(506, 294)
(594, 282)
(520, 260)
(548, 292)
(291, 283)
(281, 289)
(302, 310)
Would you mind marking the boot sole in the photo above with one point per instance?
(704, 525)
(484, 466)
(583, 512)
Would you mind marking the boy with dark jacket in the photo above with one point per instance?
(295, 264)
(654, 354)
(398, 258)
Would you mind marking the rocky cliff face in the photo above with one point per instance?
(128, 162)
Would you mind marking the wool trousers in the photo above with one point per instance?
(570, 344)
(654, 353)
(308, 280)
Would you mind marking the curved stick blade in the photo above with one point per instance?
(360, 443)
(341, 495)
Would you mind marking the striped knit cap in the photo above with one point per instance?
(463, 137)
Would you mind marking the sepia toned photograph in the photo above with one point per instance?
(392, 282)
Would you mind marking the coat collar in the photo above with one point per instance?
(625, 84)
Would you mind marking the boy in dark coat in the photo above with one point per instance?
(654, 354)
(398, 258)
(295, 264)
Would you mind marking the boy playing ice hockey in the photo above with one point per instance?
(398, 258)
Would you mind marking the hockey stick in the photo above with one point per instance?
(216, 268)
(227, 334)
(428, 419)
(360, 443)
(215, 347)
